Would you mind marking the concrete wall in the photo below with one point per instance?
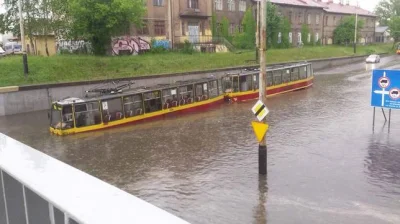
(23, 99)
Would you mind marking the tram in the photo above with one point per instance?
(280, 79)
(75, 115)
(112, 107)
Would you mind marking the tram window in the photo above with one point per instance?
(201, 92)
(235, 84)
(270, 79)
(219, 87)
(133, 105)
(55, 119)
(227, 84)
(255, 81)
(294, 74)
(245, 83)
(309, 71)
(186, 94)
(152, 102)
(285, 75)
(303, 72)
(112, 110)
(213, 89)
(170, 98)
(67, 117)
(277, 77)
(87, 114)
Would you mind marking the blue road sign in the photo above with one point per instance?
(386, 89)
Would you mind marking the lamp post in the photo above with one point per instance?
(355, 31)
(21, 26)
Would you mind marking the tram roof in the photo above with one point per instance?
(270, 68)
(136, 90)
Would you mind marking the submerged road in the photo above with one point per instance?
(325, 163)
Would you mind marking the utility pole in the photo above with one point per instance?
(257, 30)
(21, 26)
(355, 31)
(262, 149)
(169, 14)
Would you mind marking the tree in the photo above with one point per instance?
(98, 20)
(304, 34)
(344, 33)
(247, 39)
(286, 28)
(394, 27)
(273, 24)
(386, 9)
(214, 25)
(225, 28)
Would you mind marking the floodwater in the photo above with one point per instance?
(325, 162)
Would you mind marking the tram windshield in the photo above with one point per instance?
(55, 119)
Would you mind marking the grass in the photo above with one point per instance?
(77, 67)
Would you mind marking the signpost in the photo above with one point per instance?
(385, 92)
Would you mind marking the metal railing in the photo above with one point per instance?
(38, 189)
(204, 40)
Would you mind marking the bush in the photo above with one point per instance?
(187, 48)
(370, 51)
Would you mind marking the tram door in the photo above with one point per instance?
(256, 81)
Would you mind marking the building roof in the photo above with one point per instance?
(304, 3)
(381, 29)
(331, 7)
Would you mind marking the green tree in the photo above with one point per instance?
(394, 27)
(273, 25)
(214, 25)
(386, 9)
(344, 33)
(312, 42)
(304, 34)
(247, 39)
(99, 20)
(286, 28)
(225, 28)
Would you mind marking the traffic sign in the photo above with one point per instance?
(386, 89)
(260, 129)
(260, 110)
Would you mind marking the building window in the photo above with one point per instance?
(290, 17)
(334, 20)
(316, 37)
(326, 20)
(144, 30)
(193, 4)
(242, 6)
(218, 4)
(231, 28)
(309, 38)
(290, 37)
(159, 28)
(231, 5)
(299, 38)
(240, 28)
(300, 18)
(158, 2)
(309, 18)
(183, 29)
(317, 20)
(279, 37)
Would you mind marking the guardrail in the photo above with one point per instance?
(38, 189)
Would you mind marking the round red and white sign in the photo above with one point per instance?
(394, 94)
(384, 82)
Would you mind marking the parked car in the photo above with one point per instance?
(13, 48)
(373, 58)
(2, 52)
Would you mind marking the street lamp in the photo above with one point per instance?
(21, 26)
(355, 31)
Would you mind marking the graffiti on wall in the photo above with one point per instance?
(73, 46)
(129, 45)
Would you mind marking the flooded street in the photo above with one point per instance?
(325, 162)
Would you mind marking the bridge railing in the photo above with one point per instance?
(38, 189)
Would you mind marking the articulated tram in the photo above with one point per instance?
(113, 107)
